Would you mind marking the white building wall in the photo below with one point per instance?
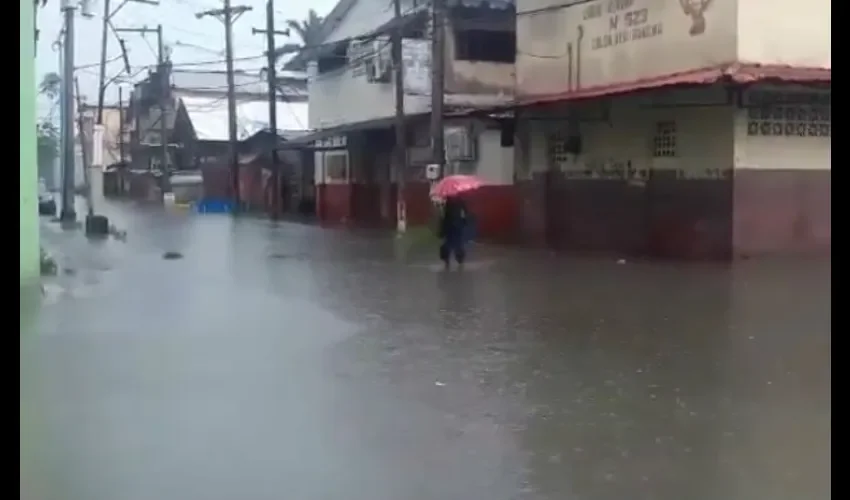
(339, 97)
(495, 164)
(620, 132)
(754, 150)
(564, 47)
(604, 42)
(785, 32)
(365, 16)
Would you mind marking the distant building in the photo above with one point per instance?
(352, 108)
(198, 128)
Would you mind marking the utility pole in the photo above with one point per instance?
(58, 47)
(82, 132)
(228, 15)
(135, 137)
(162, 73)
(104, 45)
(438, 81)
(101, 89)
(121, 148)
(400, 149)
(68, 213)
(271, 74)
(164, 86)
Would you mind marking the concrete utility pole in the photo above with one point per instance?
(82, 131)
(58, 47)
(271, 74)
(104, 45)
(96, 225)
(400, 149)
(163, 74)
(438, 81)
(68, 214)
(229, 15)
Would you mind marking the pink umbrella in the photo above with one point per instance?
(454, 185)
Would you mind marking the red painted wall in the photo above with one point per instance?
(333, 203)
(752, 213)
(782, 211)
(494, 207)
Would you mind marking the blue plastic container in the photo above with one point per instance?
(213, 206)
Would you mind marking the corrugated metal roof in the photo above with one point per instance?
(195, 81)
(209, 117)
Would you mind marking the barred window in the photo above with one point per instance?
(664, 142)
(797, 114)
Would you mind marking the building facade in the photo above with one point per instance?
(681, 129)
(30, 256)
(352, 107)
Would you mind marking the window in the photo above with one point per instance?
(664, 142)
(336, 166)
(795, 114)
(336, 60)
(485, 46)
(557, 148)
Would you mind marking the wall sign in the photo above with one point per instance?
(618, 22)
(610, 23)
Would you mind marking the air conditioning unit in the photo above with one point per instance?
(379, 66)
(460, 143)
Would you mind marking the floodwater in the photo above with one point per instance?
(281, 361)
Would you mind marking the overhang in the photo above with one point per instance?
(733, 73)
(739, 73)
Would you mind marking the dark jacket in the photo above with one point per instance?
(455, 219)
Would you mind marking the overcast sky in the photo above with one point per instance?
(190, 39)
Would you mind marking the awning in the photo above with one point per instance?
(733, 73)
(305, 142)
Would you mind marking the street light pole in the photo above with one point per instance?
(68, 213)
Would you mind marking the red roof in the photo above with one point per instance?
(738, 73)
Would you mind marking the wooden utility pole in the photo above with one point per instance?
(121, 148)
(400, 156)
(271, 75)
(163, 74)
(438, 81)
(104, 45)
(104, 40)
(162, 70)
(228, 15)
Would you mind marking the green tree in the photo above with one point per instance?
(47, 136)
(47, 141)
(308, 31)
(50, 86)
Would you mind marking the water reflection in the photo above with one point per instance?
(522, 376)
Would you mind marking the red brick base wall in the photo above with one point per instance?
(756, 212)
(333, 203)
(782, 211)
(495, 207)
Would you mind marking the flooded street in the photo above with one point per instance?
(282, 361)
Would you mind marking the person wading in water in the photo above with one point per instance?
(454, 231)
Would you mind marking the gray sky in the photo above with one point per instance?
(191, 39)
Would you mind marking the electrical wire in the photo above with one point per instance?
(92, 65)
